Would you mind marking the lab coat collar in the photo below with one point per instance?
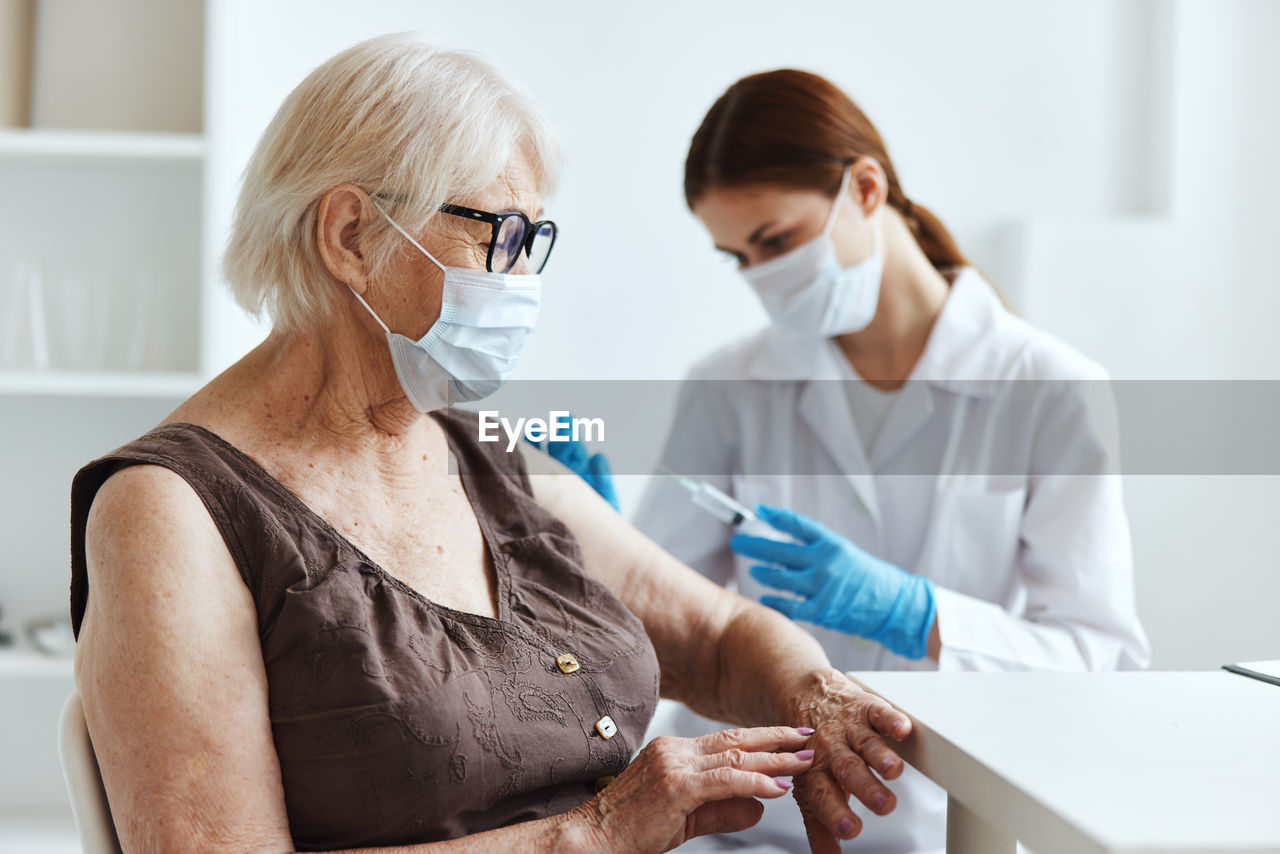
(962, 355)
(822, 405)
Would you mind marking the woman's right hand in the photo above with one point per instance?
(679, 788)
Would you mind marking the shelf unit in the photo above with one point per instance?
(117, 234)
(105, 260)
(92, 384)
(35, 687)
(28, 145)
(123, 230)
(21, 662)
(143, 217)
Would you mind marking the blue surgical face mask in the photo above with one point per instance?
(806, 292)
(472, 348)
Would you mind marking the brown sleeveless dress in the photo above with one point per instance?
(398, 720)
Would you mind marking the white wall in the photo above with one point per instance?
(992, 110)
(1188, 292)
(1108, 163)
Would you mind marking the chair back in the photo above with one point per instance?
(84, 782)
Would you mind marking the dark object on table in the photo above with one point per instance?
(52, 636)
(6, 639)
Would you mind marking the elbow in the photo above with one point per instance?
(1112, 648)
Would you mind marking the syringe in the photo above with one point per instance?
(733, 513)
(743, 520)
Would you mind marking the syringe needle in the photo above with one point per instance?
(688, 484)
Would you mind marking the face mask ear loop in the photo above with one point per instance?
(835, 207)
(407, 236)
(370, 310)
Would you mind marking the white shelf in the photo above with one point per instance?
(176, 385)
(26, 662)
(100, 145)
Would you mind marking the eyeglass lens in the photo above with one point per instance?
(540, 246)
(511, 239)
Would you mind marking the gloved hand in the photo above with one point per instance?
(593, 468)
(841, 586)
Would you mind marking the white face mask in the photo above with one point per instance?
(472, 348)
(808, 293)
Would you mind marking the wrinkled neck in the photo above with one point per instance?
(338, 376)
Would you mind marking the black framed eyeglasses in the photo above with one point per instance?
(512, 232)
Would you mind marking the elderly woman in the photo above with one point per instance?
(301, 629)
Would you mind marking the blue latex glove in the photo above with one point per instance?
(593, 468)
(840, 586)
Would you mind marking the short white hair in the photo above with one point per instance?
(393, 115)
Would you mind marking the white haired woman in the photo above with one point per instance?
(301, 629)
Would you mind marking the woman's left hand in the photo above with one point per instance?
(852, 754)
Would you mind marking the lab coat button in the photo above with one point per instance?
(606, 727)
(601, 782)
(567, 663)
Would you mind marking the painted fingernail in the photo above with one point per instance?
(782, 784)
(804, 730)
(886, 766)
(878, 802)
(804, 755)
(846, 826)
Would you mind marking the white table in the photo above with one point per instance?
(1129, 763)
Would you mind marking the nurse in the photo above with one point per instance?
(946, 469)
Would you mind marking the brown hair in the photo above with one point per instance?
(796, 129)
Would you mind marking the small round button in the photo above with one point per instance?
(567, 663)
(601, 782)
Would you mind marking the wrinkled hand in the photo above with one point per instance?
(840, 586)
(852, 754)
(593, 468)
(679, 788)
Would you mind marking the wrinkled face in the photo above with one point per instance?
(459, 242)
(415, 285)
(756, 223)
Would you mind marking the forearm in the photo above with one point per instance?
(764, 663)
(771, 667)
(568, 832)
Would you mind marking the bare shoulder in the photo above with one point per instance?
(144, 518)
(140, 491)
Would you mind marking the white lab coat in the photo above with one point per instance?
(1002, 438)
